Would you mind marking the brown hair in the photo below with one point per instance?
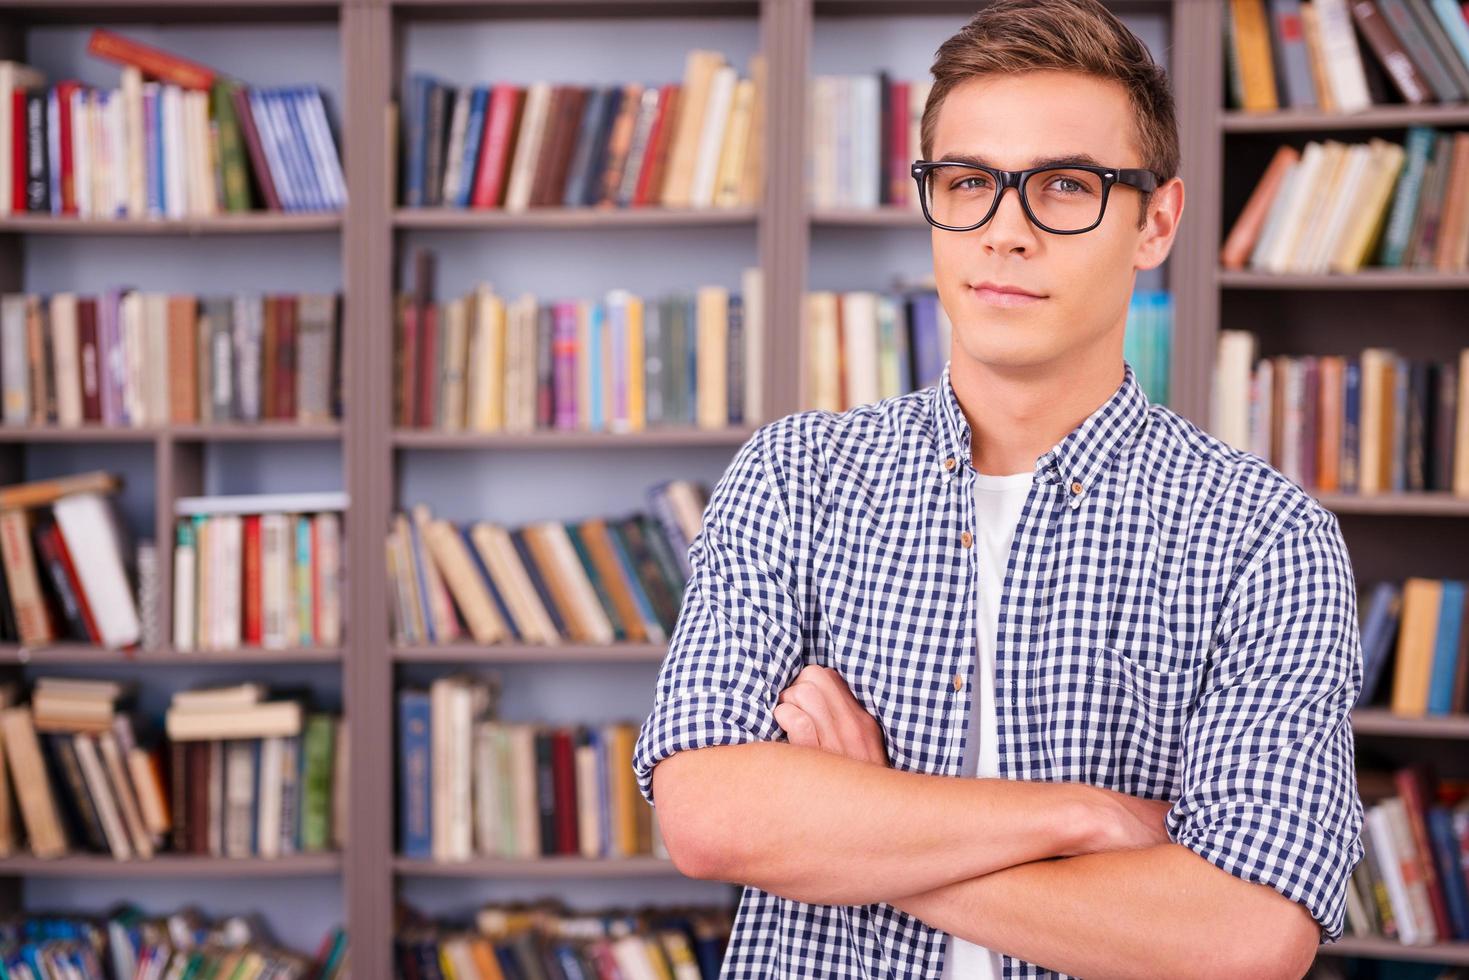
(1012, 36)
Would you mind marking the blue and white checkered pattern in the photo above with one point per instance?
(1179, 622)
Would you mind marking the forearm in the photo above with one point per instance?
(1159, 911)
(816, 827)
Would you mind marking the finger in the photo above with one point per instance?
(853, 724)
(837, 726)
(798, 726)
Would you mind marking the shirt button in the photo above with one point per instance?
(1076, 486)
(950, 463)
(958, 682)
(966, 539)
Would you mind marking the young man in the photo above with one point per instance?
(1018, 673)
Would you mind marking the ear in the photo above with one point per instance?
(1165, 211)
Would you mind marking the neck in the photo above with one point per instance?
(1016, 415)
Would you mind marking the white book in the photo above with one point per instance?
(259, 721)
(1382, 838)
(1262, 410)
(81, 153)
(1341, 56)
(1312, 161)
(175, 173)
(130, 329)
(820, 166)
(275, 590)
(67, 353)
(487, 791)
(525, 790)
(527, 146)
(588, 778)
(134, 142)
(454, 161)
(867, 163)
(185, 568)
(752, 289)
(711, 136)
(1265, 244)
(268, 800)
(262, 503)
(859, 326)
(89, 527)
(155, 357)
(103, 797)
(1231, 415)
(1356, 171)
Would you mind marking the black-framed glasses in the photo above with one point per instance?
(1066, 200)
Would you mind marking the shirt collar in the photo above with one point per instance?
(1078, 459)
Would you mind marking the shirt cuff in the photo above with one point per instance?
(696, 720)
(1279, 847)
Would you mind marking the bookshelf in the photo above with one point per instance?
(366, 250)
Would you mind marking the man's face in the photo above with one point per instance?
(1083, 281)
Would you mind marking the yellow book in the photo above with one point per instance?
(637, 409)
(1414, 658)
(1373, 205)
(734, 146)
(699, 71)
(712, 358)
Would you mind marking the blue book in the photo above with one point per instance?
(928, 356)
(1351, 425)
(474, 132)
(415, 138)
(596, 342)
(297, 151)
(1445, 845)
(573, 190)
(420, 555)
(1446, 647)
(415, 774)
(591, 188)
(484, 574)
(1383, 610)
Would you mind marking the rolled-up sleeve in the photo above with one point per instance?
(1269, 789)
(737, 641)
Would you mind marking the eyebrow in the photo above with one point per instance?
(1085, 159)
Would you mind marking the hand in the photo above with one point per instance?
(1124, 822)
(820, 711)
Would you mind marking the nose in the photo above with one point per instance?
(1009, 228)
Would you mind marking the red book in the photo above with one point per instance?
(1412, 783)
(900, 185)
(63, 142)
(251, 619)
(53, 543)
(285, 352)
(428, 362)
(502, 125)
(151, 61)
(259, 166)
(408, 366)
(18, 151)
(563, 777)
(91, 358)
(650, 176)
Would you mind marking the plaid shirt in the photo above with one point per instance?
(1178, 623)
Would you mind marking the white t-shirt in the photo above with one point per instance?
(998, 501)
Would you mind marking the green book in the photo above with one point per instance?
(316, 805)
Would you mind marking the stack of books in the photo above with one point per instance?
(1337, 207)
(472, 785)
(1412, 884)
(863, 136)
(131, 358)
(1417, 625)
(548, 940)
(1376, 422)
(129, 943)
(487, 363)
(516, 147)
(258, 570)
(71, 568)
(174, 140)
(253, 777)
(595, 581)
(1305, 54)
(237, 776)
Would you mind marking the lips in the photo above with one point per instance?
(1002, 288)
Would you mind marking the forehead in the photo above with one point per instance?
(1010, 120)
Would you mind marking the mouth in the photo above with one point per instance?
(996, 294)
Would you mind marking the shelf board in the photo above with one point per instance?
(172, 866)
(570, 439)
(1437, 503)
(548, 867)
(515, 653)
(469, 219)
(1363, 280)
(1381, 721)
(1390, 949)
(247, 223)
(562, 9)
(1313, 120)
(889, 216)
(82, 653)
(203, 432)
